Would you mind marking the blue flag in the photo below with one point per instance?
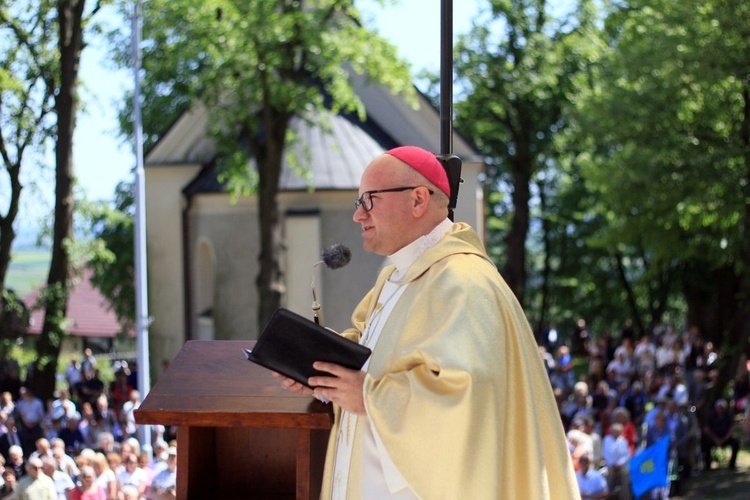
(649, 468)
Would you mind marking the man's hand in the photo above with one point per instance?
(293, 385)
(344, 387)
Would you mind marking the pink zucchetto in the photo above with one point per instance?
(425, 163)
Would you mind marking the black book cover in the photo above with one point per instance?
(290, 344)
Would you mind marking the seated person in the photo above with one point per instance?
(718, 432)
(591, 483)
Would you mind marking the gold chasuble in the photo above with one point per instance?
(456, 388)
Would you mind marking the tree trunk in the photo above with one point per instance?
(514, 271)
(546, 271)
(629, 293)
(7, 234)
(269, 155)
(70, 15)
(716, 305)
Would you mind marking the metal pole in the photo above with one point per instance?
(141, 283)
(446, 77)
(451, 162)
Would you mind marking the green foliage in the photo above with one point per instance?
(255, 66)
(241, 58)
(15, 316)
(107, 249)
(18, 353)
(517, 68)
(27, 63)
(50, 299)
(670, 169)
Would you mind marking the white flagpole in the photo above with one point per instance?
(141, 283)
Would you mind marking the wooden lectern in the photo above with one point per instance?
(240, 434)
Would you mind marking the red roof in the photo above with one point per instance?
(90, 313)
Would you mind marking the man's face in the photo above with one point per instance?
(33, 470)
(385, 227)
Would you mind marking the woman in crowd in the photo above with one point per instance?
(87, 489)
(105, 476)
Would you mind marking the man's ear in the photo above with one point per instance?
(420, 201)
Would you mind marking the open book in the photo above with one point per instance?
(290, 344)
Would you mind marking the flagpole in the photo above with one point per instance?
(141, 283)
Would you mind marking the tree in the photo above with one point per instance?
(26, 64)
(70, 20)
(49, 36)
(670, 116)
(517, 86)
(256, 65)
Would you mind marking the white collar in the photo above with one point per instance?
(406, 256)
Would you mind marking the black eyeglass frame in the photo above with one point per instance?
(360, 202)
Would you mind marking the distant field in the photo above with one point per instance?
(28, 269)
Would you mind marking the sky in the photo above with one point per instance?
(102, 159)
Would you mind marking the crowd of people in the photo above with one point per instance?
(83, 443)
(636, 392)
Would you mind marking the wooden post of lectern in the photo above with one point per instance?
(240, 434)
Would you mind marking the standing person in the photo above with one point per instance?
(88, 489)
(105, 477)
(127, 415)
(133, 475)
(454, 401)
(89, 389)
(30, 411)
(65, 462)
(63, 482)
(120, 390)
(73, 374)
(89, 361)
(616, 454)
(36, 485)
(16, 461)
(10, 438)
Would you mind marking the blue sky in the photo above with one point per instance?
(102, 160)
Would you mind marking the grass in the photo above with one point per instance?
(721, 483)
(27, 270)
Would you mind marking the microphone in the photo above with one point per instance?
(334, 257)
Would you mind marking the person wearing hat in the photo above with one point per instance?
(454, 401)
(718, 432)
(36, 485)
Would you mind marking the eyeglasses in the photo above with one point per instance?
(365, 201)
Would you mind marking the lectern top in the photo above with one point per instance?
(211, 383)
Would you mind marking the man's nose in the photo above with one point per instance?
(359, 214)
